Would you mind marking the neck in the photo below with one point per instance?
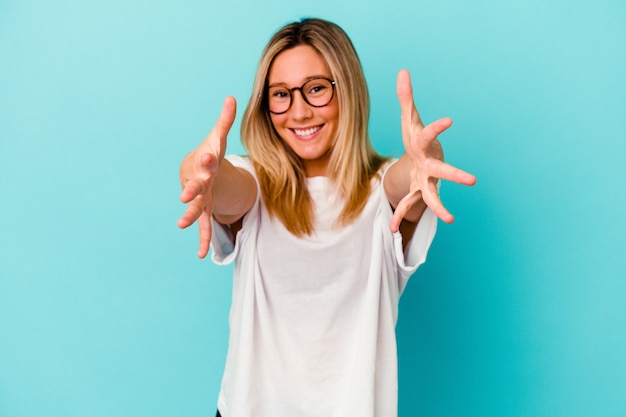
(316, 167)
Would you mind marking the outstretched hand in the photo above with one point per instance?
(426, 156)
(198, 172)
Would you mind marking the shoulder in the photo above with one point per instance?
(243, 162)
(240, 161)
(377, 179)
(386, 165)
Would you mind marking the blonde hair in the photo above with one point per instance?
(353, 161)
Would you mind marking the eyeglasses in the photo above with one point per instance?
(317, 92)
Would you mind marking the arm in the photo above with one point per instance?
(212, 186)
(411, 183)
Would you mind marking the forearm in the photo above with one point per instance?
(234, 193)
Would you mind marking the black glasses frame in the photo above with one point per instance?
(291, 91)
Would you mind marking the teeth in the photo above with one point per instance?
(307, 132)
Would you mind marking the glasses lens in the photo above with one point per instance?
(279, 99)
(318, 92)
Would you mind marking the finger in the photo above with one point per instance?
(403, 208)
(209, 161)
(193, 212)
(193, 188)
(394, 225)
(451, 173)
(434, 203)
(404, 90)
(434, 129)
(204, 225)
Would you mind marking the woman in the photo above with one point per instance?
(323, 231)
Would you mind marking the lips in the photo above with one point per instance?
(307, 132)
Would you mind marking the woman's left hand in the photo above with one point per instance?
(426, 158)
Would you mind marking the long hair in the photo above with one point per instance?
(353, 161)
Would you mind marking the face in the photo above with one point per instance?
(309, 131)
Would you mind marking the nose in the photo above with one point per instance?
(300, 109)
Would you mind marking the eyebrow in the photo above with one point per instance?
(307, 79)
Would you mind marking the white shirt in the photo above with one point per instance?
(312, 321)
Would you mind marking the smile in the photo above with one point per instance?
(308, 131)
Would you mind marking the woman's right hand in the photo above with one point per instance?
(197, 173)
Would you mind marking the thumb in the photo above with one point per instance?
(226, 118)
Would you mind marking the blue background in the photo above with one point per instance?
(104, 308)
